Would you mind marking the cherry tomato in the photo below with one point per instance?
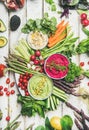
(23, 87)
(85, 22)
(7, 80)
(2, 68)
(27, 93)
(12, 92)
(8, 93)
(37, 53)
(1, 93)
(1, 87)
(81, 64)
(88, 62)
(33, 57)
(36, 62)
(12, 84)
(30, 75)
(83, 16)
(88, 83)
(8, 118)
(19, 84)
(5, 89)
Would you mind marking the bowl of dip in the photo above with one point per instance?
(37, 40)
(40, 87)
(56, 66)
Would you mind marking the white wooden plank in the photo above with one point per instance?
(4, 52)
(15, 108)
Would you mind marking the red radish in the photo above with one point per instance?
(41, 62)
(1, 93)
(83, 16)
(2, 69)
(33, 57)
(8, 118)
(36, 62)
(1, 87)
(37, 53)
(7, 80)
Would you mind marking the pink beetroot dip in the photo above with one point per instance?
(56, 66)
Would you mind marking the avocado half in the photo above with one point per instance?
(2, 26)
(3, 41)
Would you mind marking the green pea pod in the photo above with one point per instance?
(85, 31)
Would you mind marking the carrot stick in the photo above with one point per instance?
(58, 34)
(60, 24)
(57, 40)
(58, 30)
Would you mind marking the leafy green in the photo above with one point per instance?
(74, 71)
(53, 7)
(47, 124)
(46, 25)
(83, 46)
(66, 122)
(40, 128)
(86, 31)
(31, 106)
(49, 1)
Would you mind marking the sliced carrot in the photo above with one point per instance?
(61, 37)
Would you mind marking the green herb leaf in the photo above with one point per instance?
(40, 128)
(53, 7)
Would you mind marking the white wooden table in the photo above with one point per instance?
(9, 106)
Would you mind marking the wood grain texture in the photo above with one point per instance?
(9, 106)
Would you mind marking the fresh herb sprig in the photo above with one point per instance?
(46, 25)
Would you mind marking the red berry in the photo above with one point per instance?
(8, 93)
(12, 84)
(37, 53)
(85, 22)
(1, 87)
(23, 87)
(83, 16)
(81, 64)
(33, 57)
(7, 80)
(1, 93)
(36, 62)
(12, 91)
(19, 84)
(8, 118)
(5, 89)
(88, 62)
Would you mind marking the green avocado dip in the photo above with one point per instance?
(40, 87)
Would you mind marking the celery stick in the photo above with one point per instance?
(52, 103)
(59, 90)
(48, 103)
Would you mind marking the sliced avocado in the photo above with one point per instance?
(3, 41)
(2, 26)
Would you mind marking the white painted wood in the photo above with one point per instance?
(36, 9)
